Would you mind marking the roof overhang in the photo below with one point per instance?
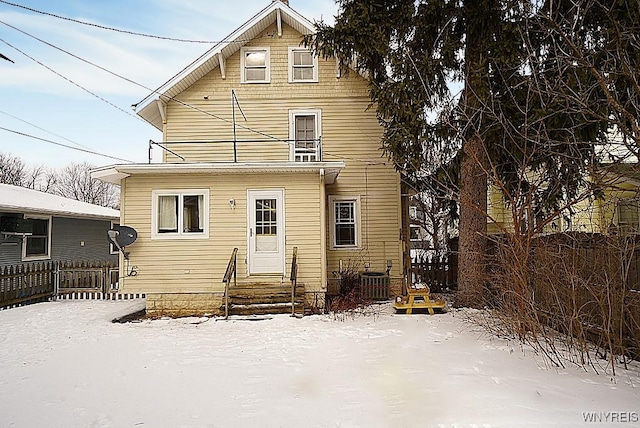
(7, 208)
(149, 109)
(115, 173)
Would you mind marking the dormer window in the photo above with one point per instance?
(254, 63)
(303, 66)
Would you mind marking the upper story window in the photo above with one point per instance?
(180, 214)
(628, 216)
(303, 66)
(254, 65)
(304, 133)
(37, 246)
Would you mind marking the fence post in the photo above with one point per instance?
(56, 279)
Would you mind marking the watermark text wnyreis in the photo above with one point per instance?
(621, 417)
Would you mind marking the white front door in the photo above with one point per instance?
(265, 210)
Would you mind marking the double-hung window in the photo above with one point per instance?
(37, 246)
(345, 222)
(304, 135)
(180, 214)
(254, 65)
(303, 66)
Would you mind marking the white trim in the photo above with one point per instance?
(332, 226)
(115, 173)
(292, 131)
(290, 17)
(314, 78)
(26, 258)
(180, 234)
(267, 56)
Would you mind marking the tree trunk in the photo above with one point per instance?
(473, 177)
(473, 226)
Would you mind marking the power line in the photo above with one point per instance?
(42, 129)
(64, 145)
(154, 91)
(69, 80)
(103, 27)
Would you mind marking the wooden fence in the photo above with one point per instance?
(581, 284)
(439, 272)
(26, 284)
(37, 282)
(589, 284)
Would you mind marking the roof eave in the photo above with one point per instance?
(115, 173)
(56, 213)
(149, 110)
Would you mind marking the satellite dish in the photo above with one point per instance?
(122, 236)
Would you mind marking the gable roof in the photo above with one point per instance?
(148, 108)
(22, 200)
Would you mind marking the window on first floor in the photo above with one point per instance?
(37, 246)
(180, 214)
(345, 227)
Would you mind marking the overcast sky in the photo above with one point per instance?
(64, 113)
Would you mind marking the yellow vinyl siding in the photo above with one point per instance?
(195, 265)
(349, 129)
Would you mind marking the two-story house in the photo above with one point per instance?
(268, 148)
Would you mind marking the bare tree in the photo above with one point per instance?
(12, 170)
(74, 181)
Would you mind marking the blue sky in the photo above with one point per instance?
(31, 93)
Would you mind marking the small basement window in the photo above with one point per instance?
(180, 214)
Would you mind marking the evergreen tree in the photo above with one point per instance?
(486, 86)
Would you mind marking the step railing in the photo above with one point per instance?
(229, 274)
(294, 279)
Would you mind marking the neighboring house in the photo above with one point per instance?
(37, 226)
(305, 171)
(616, 212)
(418, 236)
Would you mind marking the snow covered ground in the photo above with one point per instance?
(64, 364)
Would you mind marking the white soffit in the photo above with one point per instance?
(148, 109)
(115, 173)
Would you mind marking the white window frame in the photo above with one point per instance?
(357, 213)
(317, 113)
(314, 78)
(180, 193)
(112, 248)
(243, 76)
(47, 256)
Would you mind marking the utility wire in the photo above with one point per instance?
(154, 91)
(103, 27)
(42, 129)
(65, 145)
(69, 80)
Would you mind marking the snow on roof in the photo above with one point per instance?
(20, 199)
